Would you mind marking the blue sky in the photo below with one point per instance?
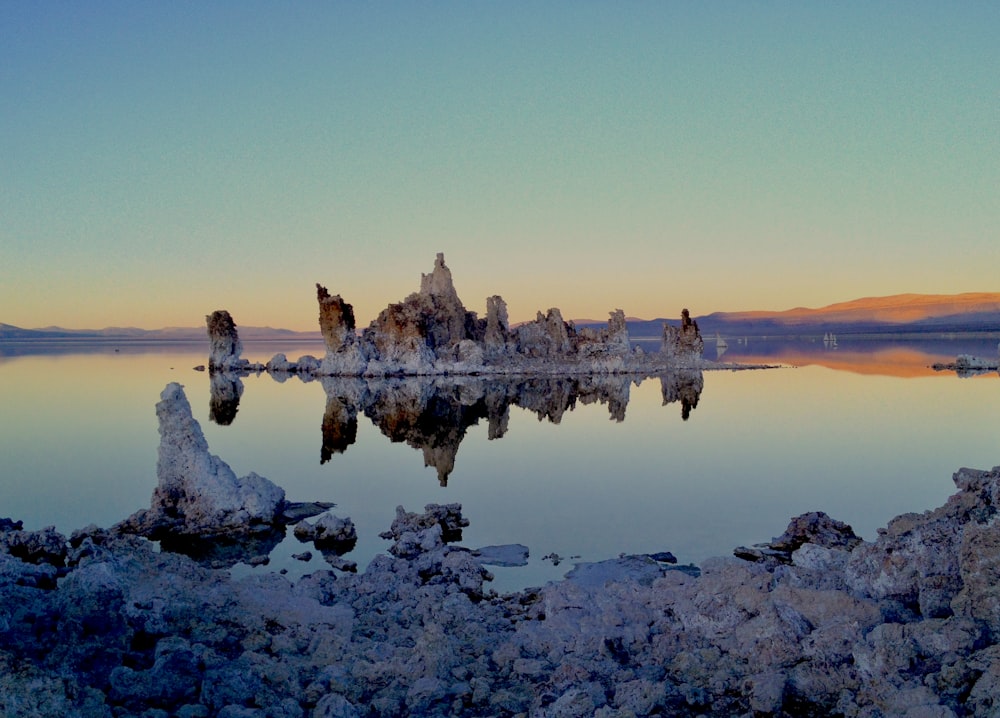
(159, 160)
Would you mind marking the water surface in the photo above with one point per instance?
(620, 471)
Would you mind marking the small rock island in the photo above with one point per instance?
(432, 333)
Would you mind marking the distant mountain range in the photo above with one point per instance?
(897, 314)
(177, 334)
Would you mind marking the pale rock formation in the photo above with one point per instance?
(683, 345)
(197, 493)
(225, 346)
(612, 341)
(446, 516)
(432, 333)
(546, 337)
(497, 339)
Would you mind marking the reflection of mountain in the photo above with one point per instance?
(434, 414)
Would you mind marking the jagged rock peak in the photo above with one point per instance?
(683, 344)
(336, 319)
(439, 283)
(197, 492)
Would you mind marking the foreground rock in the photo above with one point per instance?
(199, 507)
(906, 625)
(197, 493)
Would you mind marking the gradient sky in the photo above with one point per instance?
(159, 160)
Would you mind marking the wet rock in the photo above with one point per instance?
(328, 531)
(447, 516)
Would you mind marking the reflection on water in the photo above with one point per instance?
(225, 391)
(863, 445)
(433, 414)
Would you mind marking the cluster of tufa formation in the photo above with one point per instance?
(431, 332)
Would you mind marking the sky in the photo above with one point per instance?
(160, 160)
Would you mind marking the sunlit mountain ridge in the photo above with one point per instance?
(969, 311)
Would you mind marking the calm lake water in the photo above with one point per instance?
(863, 431)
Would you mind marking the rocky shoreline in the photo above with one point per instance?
(816, 622)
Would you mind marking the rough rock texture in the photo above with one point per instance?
(497, 339)
(814, 528)
(548, 336)
(197, 493)
(225, 346)
(907, 625)
(336, 320)
(327, 529)
(683, 345)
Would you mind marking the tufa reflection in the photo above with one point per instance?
(434, 414)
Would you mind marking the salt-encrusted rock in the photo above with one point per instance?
(547, 336)
(447, 516)
(225, 346)
(683, 345)
(327, 530)
(611, 341)
(197, 493)
(279, 364)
